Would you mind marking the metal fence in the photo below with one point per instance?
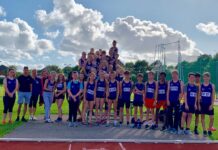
(211, 67)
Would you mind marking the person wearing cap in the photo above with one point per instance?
(207, 95)
(74, 89)
(162, 99)
(125, 94)
(150, 99)
(139, 89)
(190, 104)
(174, 96)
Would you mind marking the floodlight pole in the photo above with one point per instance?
(160, 52)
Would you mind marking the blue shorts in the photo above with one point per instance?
(100, 95)
(24, 97)
(190, 110)
(90, 99)
(123, 102)
(112, 97)
(205, 110)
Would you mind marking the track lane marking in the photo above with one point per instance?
(121, 146)
(69, 148)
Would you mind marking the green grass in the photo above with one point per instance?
(5, 129)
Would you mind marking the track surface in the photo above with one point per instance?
(41, 130)
(102, 146)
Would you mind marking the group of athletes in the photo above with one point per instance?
(104, 90)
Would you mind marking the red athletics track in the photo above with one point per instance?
(102, 146)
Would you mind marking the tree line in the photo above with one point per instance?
(204, 63)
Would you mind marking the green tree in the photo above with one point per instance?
(55, 68)
(66, 70)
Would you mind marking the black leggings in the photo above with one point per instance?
(33, 101)
(173, 115)
(73, 108)
(164, 115)
(8, 103)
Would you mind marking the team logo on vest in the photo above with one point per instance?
(174, 88)
(193, 94)
(113, 89)
(60, 85)
(150, 90)
(126, 89)
(90, 92)
(101, 89)
(206, 94)
(161, 91)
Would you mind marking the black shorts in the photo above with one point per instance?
(190, 110)
(205, 110)
(112, 98)
(41, 100)
(33, 100)
(100, 96)
(62, 96)
(138, 103)
(197, 112)
(123, 102)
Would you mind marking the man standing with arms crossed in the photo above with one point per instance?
(24, 92)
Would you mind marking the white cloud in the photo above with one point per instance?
(210, 28)
(140, 37)
(2, 12)
(84, 28)
(18, 41)
(52, 35)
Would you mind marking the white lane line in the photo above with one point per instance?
(69, 148)
(122, 147)
(202, 141)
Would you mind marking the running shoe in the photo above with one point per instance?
(209, 133)
(205, 133)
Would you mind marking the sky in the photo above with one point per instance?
(42, 32)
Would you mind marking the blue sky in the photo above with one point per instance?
(182, 16)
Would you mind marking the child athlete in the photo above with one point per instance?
(139, 95)
(112, 96)
(125, 93)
